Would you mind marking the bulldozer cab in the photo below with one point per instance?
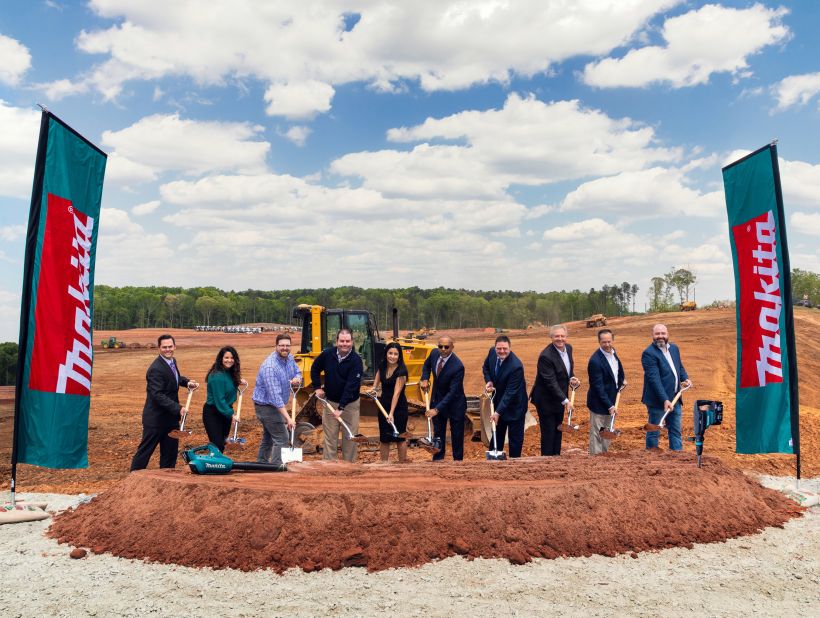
(320, 327)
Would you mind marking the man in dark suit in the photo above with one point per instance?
(606, 377)
(447, 401)
(162, 411)
(663, 377)
(556, 372)
(505, 373)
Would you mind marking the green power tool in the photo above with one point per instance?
(207, 459)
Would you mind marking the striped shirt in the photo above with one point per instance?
(273, 381)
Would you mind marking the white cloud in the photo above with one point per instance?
(526, 142)
(61, 88)
(19, 129)
(16, 60)
(796, 90)
(300, 100)
(127, 254)
(806, 223)
(162, 143)
(145, 208)
(653, 192)
(801, 183)
(443, 45)
(12, 232)
(711, 39)
(298, 134)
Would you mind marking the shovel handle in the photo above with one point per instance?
(572, 394)
(293, 404)
(191, 390)
(242, 388)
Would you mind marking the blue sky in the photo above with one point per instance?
(489, 145)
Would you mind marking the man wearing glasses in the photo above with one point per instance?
(447, 401)
(270, 398)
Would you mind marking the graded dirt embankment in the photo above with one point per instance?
(334, 515)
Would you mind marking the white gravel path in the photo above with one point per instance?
(775, 573)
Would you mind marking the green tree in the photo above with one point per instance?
(8, 364)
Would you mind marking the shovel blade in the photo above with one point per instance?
(496, 455)
(360, 439)
(179, 435)
(565, 427)
(610, 435)
(291, 454)
(653, 427)
(406, 435)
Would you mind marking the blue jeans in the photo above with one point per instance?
(673, 426)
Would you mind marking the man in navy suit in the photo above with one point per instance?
(556, 372)
(505, 373)
(447, 401)
(606, 377)
(162, 411)
(663, 377)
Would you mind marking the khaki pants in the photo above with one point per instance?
(597, 444)
(331, 428)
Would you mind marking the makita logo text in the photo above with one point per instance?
(761, 302)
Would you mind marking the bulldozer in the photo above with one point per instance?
(112, 343)
(688, 305)
(596, 320)
(319, 327)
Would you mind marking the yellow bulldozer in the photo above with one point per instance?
(688, 305)
(319, 327)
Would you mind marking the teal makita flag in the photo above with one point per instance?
(766, 396)
(55, 355)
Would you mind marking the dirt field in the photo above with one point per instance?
(706, 338)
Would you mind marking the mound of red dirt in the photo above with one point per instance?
(381, 516)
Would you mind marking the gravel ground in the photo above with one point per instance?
(774, 573)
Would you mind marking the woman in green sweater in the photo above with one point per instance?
(224, 377)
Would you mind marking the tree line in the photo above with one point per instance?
(117, 308)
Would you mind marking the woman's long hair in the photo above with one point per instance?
(383, 364)
(235, 372)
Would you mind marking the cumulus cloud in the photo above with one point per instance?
(711, 39)
(163, 143)
(12, 232)
(16, 60)
(18, 149)
(800, 181)
(304, 50)
(806, 223)
(145, 208)
(653, 192)
(796, 90)
(128, 254)
(297, 134)
(526, 142)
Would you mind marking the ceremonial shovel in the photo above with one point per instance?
(495, 454)
(612, 433)
(662, 425)
(568, 426)
(234, 440)
(429, 443)
(406, 434)
(182, 432)
(292, 453)
(358, 437)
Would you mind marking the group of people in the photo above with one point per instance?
(336, 376)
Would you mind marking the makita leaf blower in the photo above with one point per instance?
(207, 459)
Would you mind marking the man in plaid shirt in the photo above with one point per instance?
(270, 399)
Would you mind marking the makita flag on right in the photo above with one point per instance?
(766, 396)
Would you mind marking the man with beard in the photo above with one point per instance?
(663, 376)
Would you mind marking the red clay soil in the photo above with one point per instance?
(376, 516)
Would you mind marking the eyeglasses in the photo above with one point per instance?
(444, 347)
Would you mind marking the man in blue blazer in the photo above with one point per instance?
(447, 401)
(504, 372)
(663, 377)
(606, 377)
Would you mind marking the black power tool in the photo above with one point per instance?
(706, 413)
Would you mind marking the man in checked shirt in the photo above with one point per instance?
(270, 399)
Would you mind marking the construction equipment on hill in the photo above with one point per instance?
(662, 425)
(599, 319)
(112, 343)
(568, 426)
(688, 305)
(707, 413)
(611, 433)
(207, 459)
(182, 432)
(319, 327)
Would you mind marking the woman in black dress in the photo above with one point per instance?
(392, 376)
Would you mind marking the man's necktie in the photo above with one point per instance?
(497, 365)
(439, 365)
